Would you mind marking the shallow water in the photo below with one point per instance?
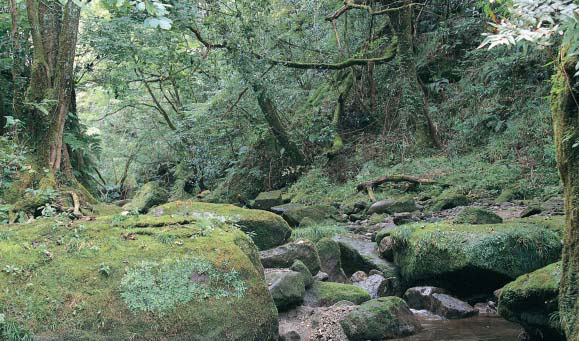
(479, 328)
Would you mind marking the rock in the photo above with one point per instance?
(376, 219)
(290, 336)
(356, 217)
(375, 272)
(286, 287)
(280, 209)
(404, 218)
(361, 254)
(477, 215)
(267, 200)
(265, 228)
(531, 211)
(329, 293)
(299, 266)
(167, 272)
(380, 319)
(470, 259)
(284, 256)
(486, 309)
(508, 195)
(390, 286)
(449, 199)
(555, 205)
(393, 206)
(150, 195)
(321, 276)
(450, 307)
(359, 276)
(383, 233)
(307, 221)
(421, 297)
(330, 259)
(386, 248)
(372, 285)
(318, 214)
(532, 301)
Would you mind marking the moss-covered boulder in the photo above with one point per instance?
(477, 215)
(532, 301)
(472, 258)
(317, 214)
(391, 206)
(299, 266)
(120, 278)
(287, 287)
(449, 199)
(150, 195)
(330, 259)
(325, 294)
(267, 200)
(380, 319)
(265, 228)
(285, 255)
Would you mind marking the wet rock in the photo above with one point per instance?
(329, 293)
(290, 336)
(450, 307)
(486, 309)
(393, 206)
(380, 319)
(286, 287)
(531, 211)
(318, 214)
(284, 256)
(330, 259)
(477, 215)
(386, 248)
(299, 266)
(267, 200)
(321, 276)
(531, 300)
(371, 284)
(421, 297)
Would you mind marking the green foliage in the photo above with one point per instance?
(160, 288)
(314, 233)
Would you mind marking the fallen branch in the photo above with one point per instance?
(369, 186)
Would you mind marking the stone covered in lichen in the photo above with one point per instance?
(267, 230)
(532, 301)
(472, 258)
(137, 277)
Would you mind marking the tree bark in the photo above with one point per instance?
(565, 110)
(54, 30)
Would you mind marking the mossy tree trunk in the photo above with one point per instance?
(279, 130)
(344, 82)
(565, 110)
(413, 103)
(54, 30)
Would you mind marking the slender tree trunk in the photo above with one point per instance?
(54, 29)
(345, 81)
(565, 109)
(281, 134)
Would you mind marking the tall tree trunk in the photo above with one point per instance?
(54, 29)
(279, 130)
(565, 110)
(344, 81)
(413, 101)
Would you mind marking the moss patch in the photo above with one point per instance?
(330, 293)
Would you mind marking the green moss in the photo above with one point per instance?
(330, 293)
(314, 233)
(87, 280)
(318, 214)
(150, 195)
(508, 195)
(267, 229)
(431, 251)
(476, 215)
(449, 199)
(381, 234)
(532, 301)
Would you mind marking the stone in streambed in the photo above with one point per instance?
(286, 287)
(284, 256)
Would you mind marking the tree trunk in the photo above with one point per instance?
(565, 110)
(54, 29)
(345, 81)
(413, 101)
(272, 117)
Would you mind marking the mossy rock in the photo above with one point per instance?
(472, 258)
(326, 294)
(380, 319)
(299, 266)
(285, 255)
(122, 278)
(267, 229)
(477, 215)
(267, 200)
(392, 206)
(287, 287)
(449, 199)
(508, 195)
(330, 259)
(150, 195)
(318, 214)
(532, 301)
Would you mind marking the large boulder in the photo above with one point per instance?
(472, 258)
(280, 209)
(317, 214)
(299, 266)
(286, 287)
(380, 319)
(358, 254)
(392, 206)
(477, 215)
(117, 277)
(150, 195)
(265, 228)
(449, 199)
(421, 297)
(331, 263)
(284, 256)
(451, 307)
(267, 200)
(532, 301)
(329, 293)
(372, 284)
